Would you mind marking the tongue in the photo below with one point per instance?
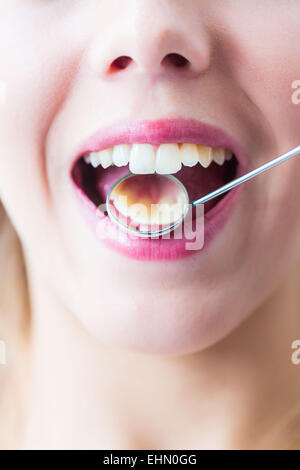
(153, 188)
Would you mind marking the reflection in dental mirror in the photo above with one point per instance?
(147, 205)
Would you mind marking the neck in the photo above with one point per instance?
(239, 393)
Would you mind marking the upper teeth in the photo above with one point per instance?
(163, 159)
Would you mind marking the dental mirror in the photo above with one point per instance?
(163, 203)
(147, 205)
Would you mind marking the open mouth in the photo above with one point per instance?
(201, 169)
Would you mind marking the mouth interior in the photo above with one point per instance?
(198, 181)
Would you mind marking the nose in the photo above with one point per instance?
(154, 38)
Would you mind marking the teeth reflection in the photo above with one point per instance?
(144, 212)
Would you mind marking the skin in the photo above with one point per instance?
(221, 327)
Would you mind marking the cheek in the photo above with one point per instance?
(36, 76)
(264, 53)
(274, 237)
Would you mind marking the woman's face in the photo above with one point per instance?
(61, 84)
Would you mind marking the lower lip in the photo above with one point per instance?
(156, 249)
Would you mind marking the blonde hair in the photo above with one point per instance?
(14, 331)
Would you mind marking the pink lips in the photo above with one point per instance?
(155, 133)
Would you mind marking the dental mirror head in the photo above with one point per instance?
(147, 205)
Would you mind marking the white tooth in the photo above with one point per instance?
(142, 159)
(189, 154)
(205, 155)
(121, 154)
(106, 157)
(228, 154)
(87, 158)
(95, 159)
(168, 159)
(219, 155)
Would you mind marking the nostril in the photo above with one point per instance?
(176, 60)
(170, 60)
(120, 63)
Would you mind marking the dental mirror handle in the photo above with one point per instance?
(266, 166)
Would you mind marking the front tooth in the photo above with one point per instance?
(205, 155)
(189, 154)
(168, 159)
(121, 154)
(219, 155)
(95, 159)
(142, 159)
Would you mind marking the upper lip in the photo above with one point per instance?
(166, 130)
